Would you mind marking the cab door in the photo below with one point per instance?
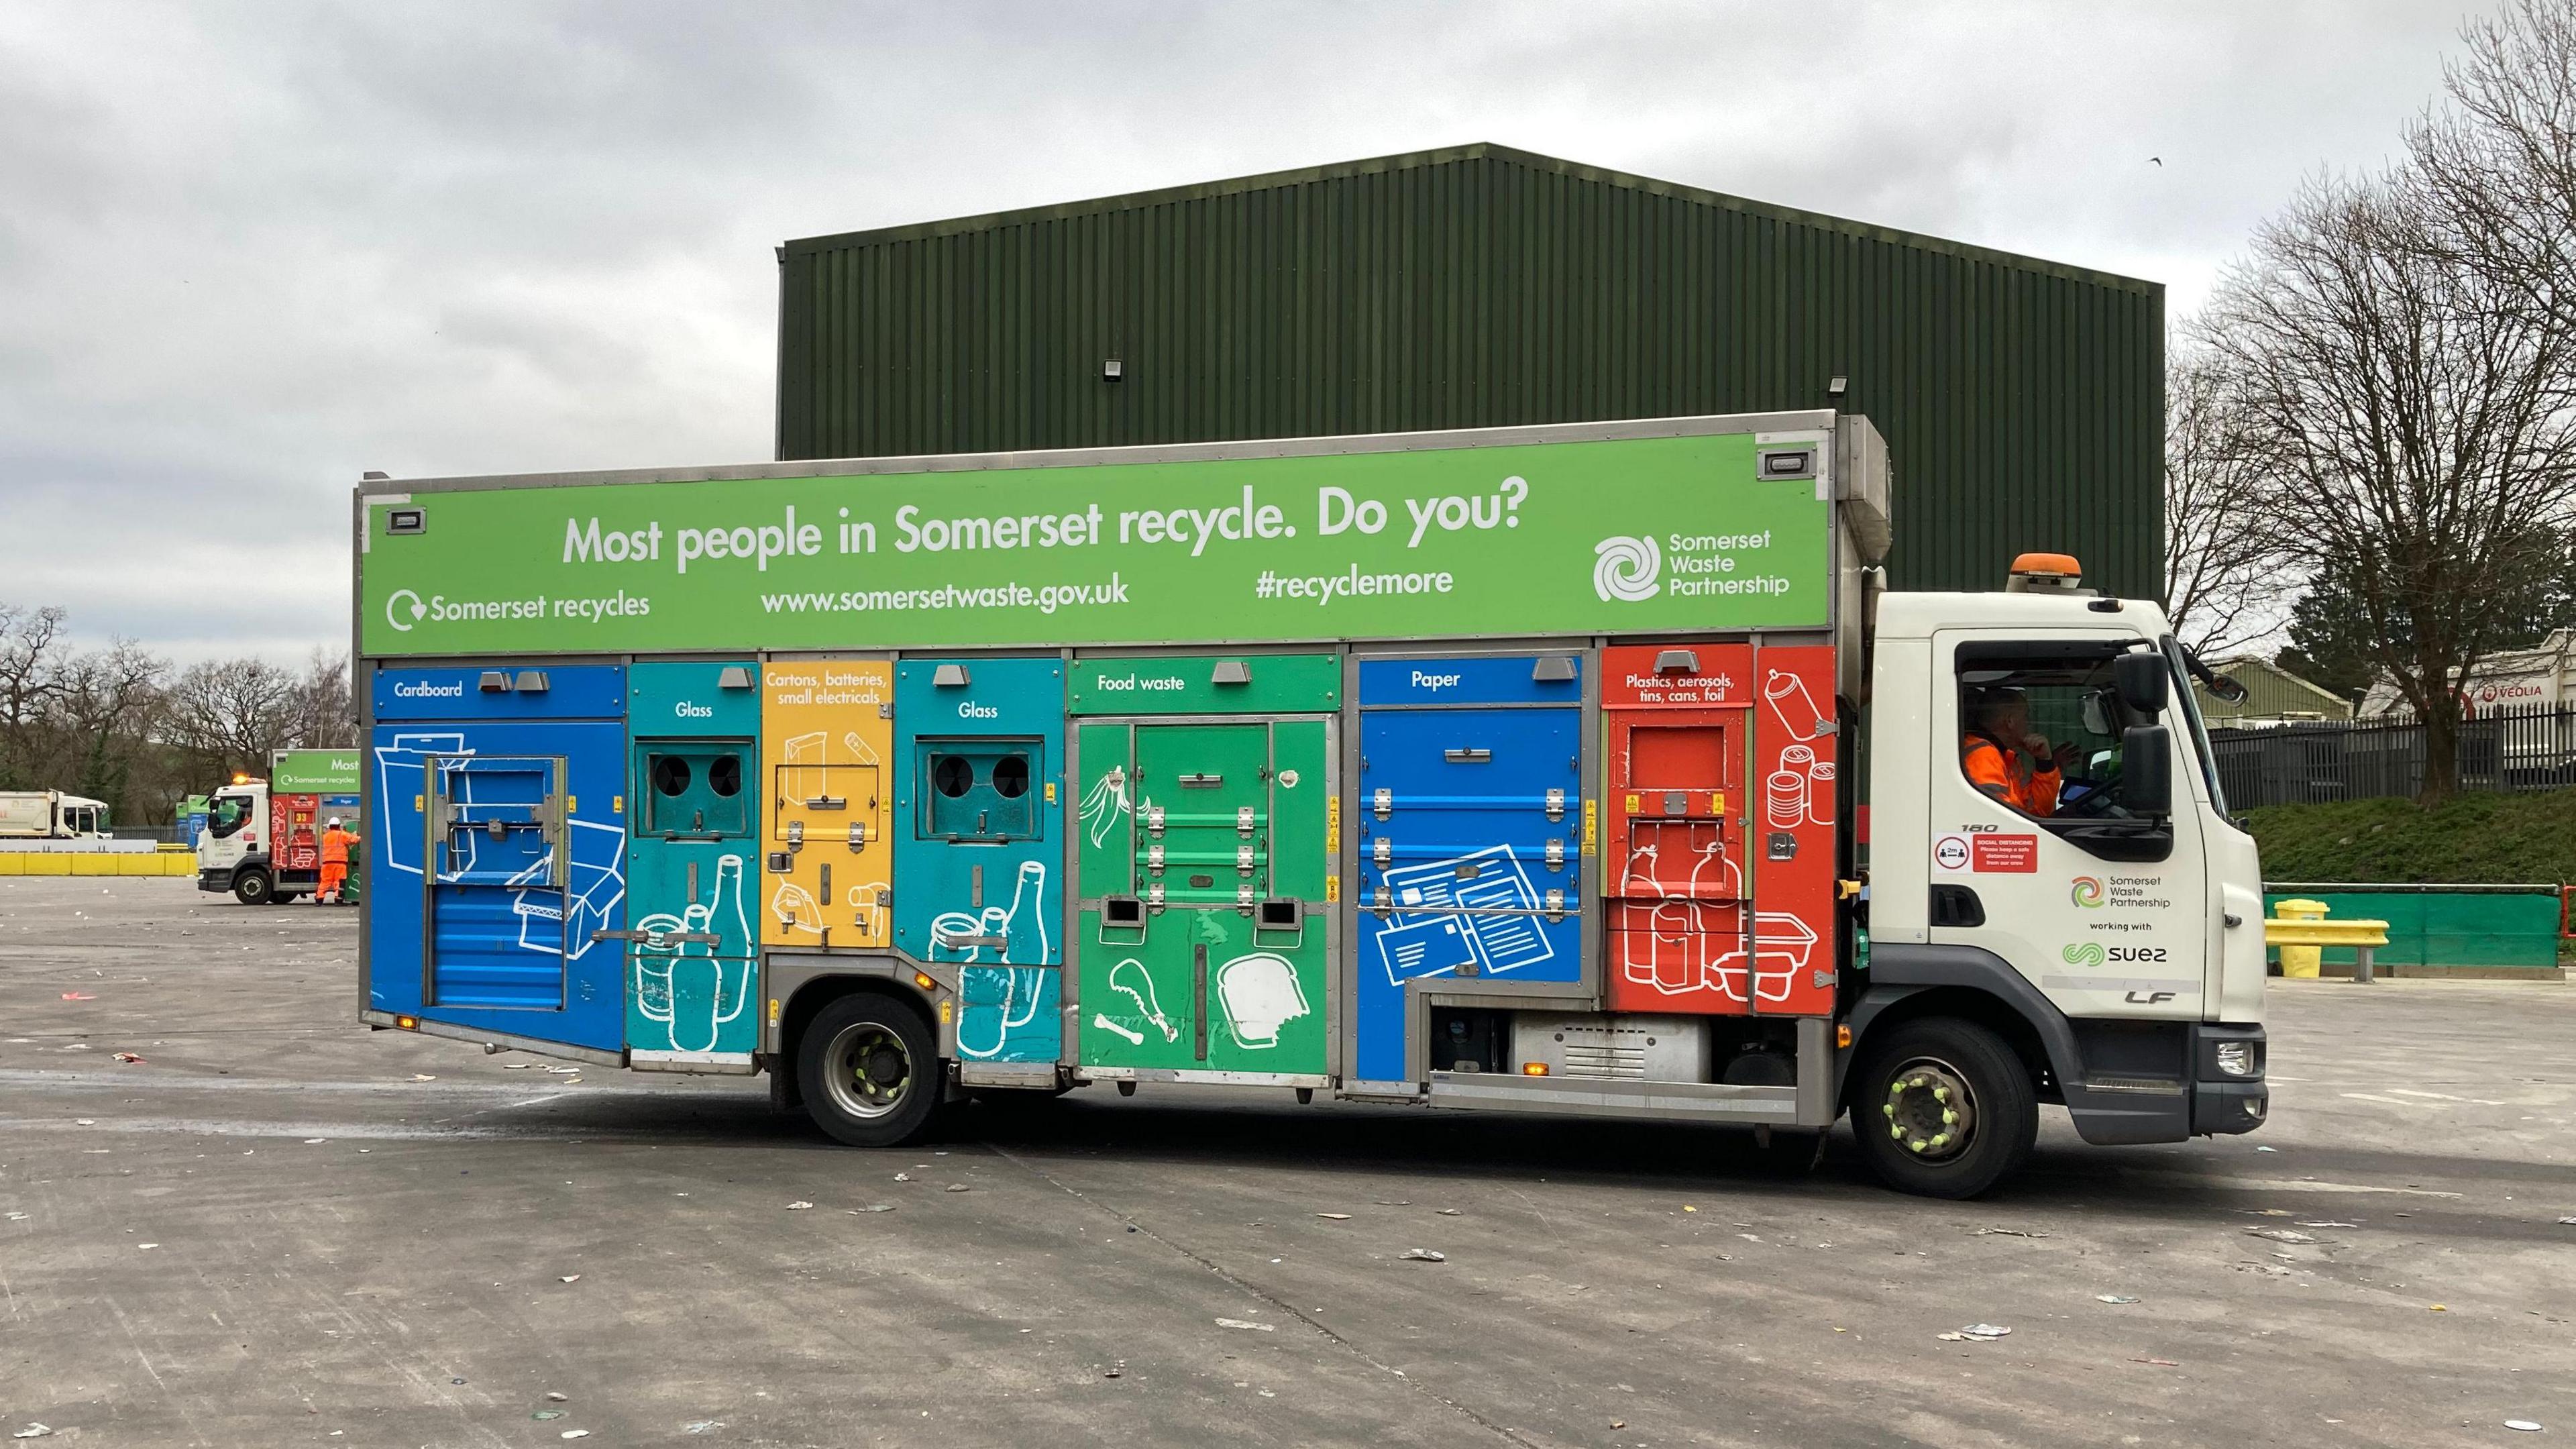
(2105, 912)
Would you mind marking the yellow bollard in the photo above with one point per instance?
(2300, 960)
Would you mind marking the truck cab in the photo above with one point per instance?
(2092, 939)
(234, 853)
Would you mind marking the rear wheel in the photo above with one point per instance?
(253, 887)
(868, 1068)
(1943, 1108)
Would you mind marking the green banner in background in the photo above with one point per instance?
(314, 772)
(1605, 536)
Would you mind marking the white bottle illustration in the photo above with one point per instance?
(1019, 928)
(1103, 803)
(664, 973)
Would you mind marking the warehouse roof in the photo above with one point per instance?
(1449, 156)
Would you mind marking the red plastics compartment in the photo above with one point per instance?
(1673, 868)
(294, 831)
(1797, 763)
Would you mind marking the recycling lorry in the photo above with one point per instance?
(263, 836)
(1583, 770)
(51, 815)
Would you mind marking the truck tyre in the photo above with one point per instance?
(1943, 1108)
(253, 887)
(868, 1068)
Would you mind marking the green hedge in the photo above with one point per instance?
(2467, 840)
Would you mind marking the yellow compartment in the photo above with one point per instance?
(827, 757)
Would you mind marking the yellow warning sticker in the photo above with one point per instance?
(945, 1009)
(1332, 888)
(1050, 792)
(1592, 824)
(1332, 825)
(1717, 802)
(1635, 804)
(773, 1011)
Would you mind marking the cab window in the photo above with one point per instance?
(2041, 729)
(226, 814)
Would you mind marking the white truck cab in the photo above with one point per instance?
(2110, 938)
(234, 853)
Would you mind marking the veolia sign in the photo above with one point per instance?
(1601, 536)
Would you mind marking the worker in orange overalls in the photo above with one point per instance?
(335, 862)
(2005, 758)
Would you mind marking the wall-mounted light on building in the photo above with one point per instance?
(1838, 386)
(1111, 369)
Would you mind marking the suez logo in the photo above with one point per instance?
(2094, 953)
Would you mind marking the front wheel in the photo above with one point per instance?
(869, 1070)
(1943, 1108)
(253, 887)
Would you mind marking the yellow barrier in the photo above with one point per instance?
(80, 863)
(2363, 936)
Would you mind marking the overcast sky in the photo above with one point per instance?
(249, 250)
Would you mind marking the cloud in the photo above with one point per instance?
(251, 250)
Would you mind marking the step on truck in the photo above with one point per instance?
(262, 840)
(1583, 770)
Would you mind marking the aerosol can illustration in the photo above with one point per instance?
(683, 985)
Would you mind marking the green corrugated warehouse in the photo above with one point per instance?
(1476, 286)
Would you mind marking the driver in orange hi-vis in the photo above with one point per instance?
(2005, 758)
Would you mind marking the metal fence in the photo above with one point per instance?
(2531, 747)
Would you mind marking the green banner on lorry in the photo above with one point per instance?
(1627, 536)
(314, 772)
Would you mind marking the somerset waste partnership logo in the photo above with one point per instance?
(2087, 892)
(1629, 570)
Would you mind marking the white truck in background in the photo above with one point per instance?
(263, 836)
(51, 815)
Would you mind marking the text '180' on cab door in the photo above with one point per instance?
(1469, 814)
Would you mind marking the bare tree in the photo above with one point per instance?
(2223, 566)
(228, 714)
(30, 655)
(2500, 159)
(2417, 435)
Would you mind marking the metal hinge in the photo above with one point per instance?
(1382, 851)
(1383, 802)
(1556, 905)
(1383, 902)
(885, 709)
(1154, 895)
(1154, 856)
(1153, 819)
(1243, 896)
(1556, 804)
(795, 835)
(1556, 855)
(858, 836)
(1824, 979)
(1243, 859)
(1243, 820)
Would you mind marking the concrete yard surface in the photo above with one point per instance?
(279, 1228)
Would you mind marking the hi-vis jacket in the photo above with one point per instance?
(2010, 776)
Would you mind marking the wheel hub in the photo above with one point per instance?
(1929, 1109)
(873, 1071)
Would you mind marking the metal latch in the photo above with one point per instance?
(1243, 860)
(1201, 781)
(969, 943)
(1556, 804)
(1824, 979)
(795, 835)
(1556, 905)
(1556, 855)
(1382, 850)
(1154, 819)
(1467, 756)
(1154, 856)
(1243, 896)
(1154, 895)
(659, 940)
(1383, 802)
(858, 836)
(828, 802)
(1243, 820)
(1384, 900)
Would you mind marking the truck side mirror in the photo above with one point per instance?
(2146, 769)
(2141, 678)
